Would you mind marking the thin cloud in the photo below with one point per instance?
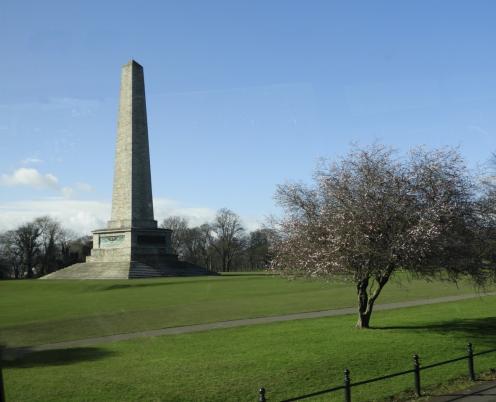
(196, 216)
(80, 216)
(31, 161)
(83, 216)
(32, 178)
(77, 106)
(164, 207)
(83, 187)
(29, 177)
(67, 192)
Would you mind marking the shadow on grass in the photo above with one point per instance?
(149, 284)
(228, 274)
(480, 330)
(224, 275)
(24, 358)
(137, 285)
(481, 392)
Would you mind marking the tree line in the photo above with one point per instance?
(43, 246)
(222, 245)
(40, 247)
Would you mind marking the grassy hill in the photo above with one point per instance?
(288, 358)
(36, 312)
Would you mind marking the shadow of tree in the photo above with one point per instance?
(480, 330)
(24, 358)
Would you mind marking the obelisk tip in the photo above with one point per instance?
(132, 62)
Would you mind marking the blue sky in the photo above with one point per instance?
(241, 96)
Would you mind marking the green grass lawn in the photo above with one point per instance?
(36, 312)
(288, 358)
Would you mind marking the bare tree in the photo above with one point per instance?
(78, 248)
(36, 248)
(179, 227)
(26, 240)
(258, 249)
(11, 254)
(66, 239)
(198, 246)
(370, 214)
(228, 236)
(193, 245)
(49, 239)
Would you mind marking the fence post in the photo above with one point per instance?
(416, 368)
(261, 395)
(470, 356)
(347, 386)
(2, 392)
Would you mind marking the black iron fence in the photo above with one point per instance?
(416, 370)
(348, 385)
(2, 392)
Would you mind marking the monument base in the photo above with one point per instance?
(130, 253)
(126, 270)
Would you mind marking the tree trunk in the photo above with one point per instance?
(225, 268)
(363, 304)
(364, 319)
(29, 264)
(366, 301)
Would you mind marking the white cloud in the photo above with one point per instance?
(79, 187)
(79, 216)
(84, 187)
(84, 216)
(252, 223)
(29, 177)
(164, 207)
(67, 192)
(31, 161)
(196, 216)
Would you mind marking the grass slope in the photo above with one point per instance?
(36, 312)
(287, 358)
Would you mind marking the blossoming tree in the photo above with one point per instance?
(372, 213)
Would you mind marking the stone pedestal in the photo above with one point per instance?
(148, 246)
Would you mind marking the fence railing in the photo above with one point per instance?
(2, 392)
(416, 370)
(348, 385)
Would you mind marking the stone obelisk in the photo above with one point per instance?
(132, 204)
(131, 246)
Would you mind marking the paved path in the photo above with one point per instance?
(235, 323)
(485, 392)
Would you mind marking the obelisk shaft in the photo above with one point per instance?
(132, 204)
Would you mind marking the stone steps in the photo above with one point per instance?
(126, 270)
(139, 270)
